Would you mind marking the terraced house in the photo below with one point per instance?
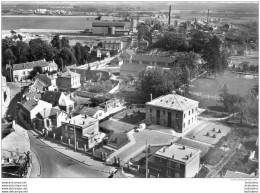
(173, 111)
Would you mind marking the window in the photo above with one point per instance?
(192, 120)
(177, 174)
(23, 72)
(168, 173)
(66, 135)
(100, 114)
(72, 137)
(178, 166)
(192, 111)
(189, 112)
(163, 113)
(66, 128)
(189, 122)
(183, 125)
(151, 110)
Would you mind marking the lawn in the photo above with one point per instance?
(129, 112)
(133, 118)
(206, 89)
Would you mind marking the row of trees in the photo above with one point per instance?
(58, 50)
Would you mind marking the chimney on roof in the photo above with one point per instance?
(83, 123)
(164, 149)
(190, 154)
(183, 147)
(173, 92)
(187, 157)
(86, 116)
(173, 156)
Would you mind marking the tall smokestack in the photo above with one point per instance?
(208, 17)
(170, 11)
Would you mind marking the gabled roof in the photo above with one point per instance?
(31, 104)
(132, 68)
(53, 64)
(33, 94)
(89, 111)
(66, 102)
(150, 58)
(173, 102)
(69, 74)
(44, 79)
(39, 85)
(51, 97)
(128, 52)
(117, 59)
(30, 65)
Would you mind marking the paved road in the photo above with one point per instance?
(56, 165)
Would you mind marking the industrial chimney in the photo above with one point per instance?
(208, 17)
(170, 11)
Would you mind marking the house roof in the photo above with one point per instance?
(108, 24)
(39, 85)
(66, 102)
(128, 52)
(89, 111)
(150, 58)
(116, 59)
(30, 65)
(82, 121)
(178, 153)
(69, 74)
(44, 79)
(231, 174)
(53, 64)
(173, 102)
(51, 96)
(31, 104)
(132, 68)
(48, 112)
(33, 94)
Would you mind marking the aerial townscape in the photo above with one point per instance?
(130, 89)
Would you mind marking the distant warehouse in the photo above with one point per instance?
(109, 27)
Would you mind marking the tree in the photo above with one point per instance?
(21, 51)
(144, 32)
(198, 41)
(20, 37)
(188, 62)
(81, 53)
(212, 56)
(8, 58)
(40, 50)
(65, 58)
(36, 70)
(171, 41)
(65, 42)
(155, 82)
(56, 42)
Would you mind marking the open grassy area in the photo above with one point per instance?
(133, 118)
(206, 89)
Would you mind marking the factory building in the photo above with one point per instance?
(107, 27)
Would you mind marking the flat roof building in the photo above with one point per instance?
(175, 161)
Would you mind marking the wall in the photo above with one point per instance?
(152, 117)
(100, 30)
(188, 117)
(192, 168)
(64, 83)
(41, 106)
(20, 74)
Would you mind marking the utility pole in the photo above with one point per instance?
(146, 163)
(75, 139)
